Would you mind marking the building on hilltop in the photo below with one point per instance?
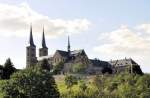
(123, 65)
(72, 57)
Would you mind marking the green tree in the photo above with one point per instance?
(98, 82)
(127, 91)
(58, 68)
(1, 71)
(112, 86)
(143, 86)
(31, 83)
(145, 94)
(82, 85)
(70, 80)
(45, 65)
(8, 69)
(79, 68)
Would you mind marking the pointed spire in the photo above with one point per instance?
(31, 42)
(43, 40)
(68, 44)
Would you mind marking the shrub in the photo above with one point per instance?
(79, 68)
(58, 68)
(70, 80)
(31, 83)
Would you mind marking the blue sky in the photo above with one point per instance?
(106, 29)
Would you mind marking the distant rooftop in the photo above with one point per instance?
(77, 51)
(44, 57)
(123, 62)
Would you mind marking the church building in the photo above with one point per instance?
(72, 57)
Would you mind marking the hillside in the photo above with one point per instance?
(116, 86)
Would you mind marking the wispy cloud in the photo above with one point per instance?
(126, 42)
(15, 21)
(144, 27)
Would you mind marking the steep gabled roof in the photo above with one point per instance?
(62, 53)
(77, 51)
(72, 53)
(123, 62)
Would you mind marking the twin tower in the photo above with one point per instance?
(31, 58)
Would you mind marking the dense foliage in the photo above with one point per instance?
(79, 68)
(30, 83)
(45, 64)
(38, 82)
(7, 70)
(70, 80)
(58, 68)
(111, 86)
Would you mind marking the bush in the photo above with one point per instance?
(79, 68)
(31, 83)
(58, 68)
(70, 81)
(111, 86)
(45, 65)
(82, 85)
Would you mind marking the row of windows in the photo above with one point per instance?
(56, 60)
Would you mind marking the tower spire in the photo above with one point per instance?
(31, 42)
(43, 40)
(68, 45)
(43, 51)
(31, 59)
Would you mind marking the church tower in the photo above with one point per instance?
(44, 50)
(68, 47)
(31, 59)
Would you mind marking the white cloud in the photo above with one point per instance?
(15, 21)
(144, 27)
(125, 42)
